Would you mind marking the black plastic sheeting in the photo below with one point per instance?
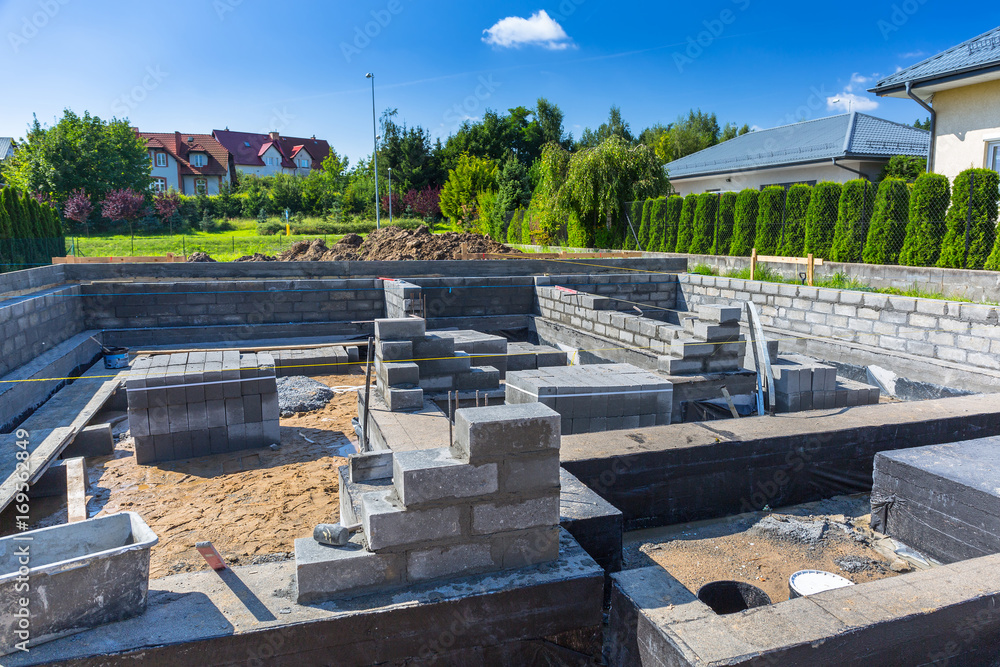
(942, 500)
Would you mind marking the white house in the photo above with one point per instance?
(960, 88)
(267, 154)
(838, 148)
(189, 163)
(6, 148)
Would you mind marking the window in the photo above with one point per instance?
(993, 155)
(304, 164)
(200, 186)
(161, 159)
(198, 160)
(159, 184)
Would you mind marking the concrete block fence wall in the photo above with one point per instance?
(31, 279)
(32, 325)
(654, 293)
(962, 333)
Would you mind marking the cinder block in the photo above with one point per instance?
(198, 416)
(255, 435)
(177, 418)
(451, 561)
(144, 451)
(237, 437)
(691, 349)
(400, 400)
(400, 329)
(216, 413)
(429, 476)
(489, 518)
(163, 448)
(394, 351)
(138, 423)
(396, 374)
(433, 347)
(94, 441)
(459, 363)
(493, 433)
(323, 572)
(388, 526)
(530, 475)
(218, 440)
(529, 547)
(720, 314)
(234, 411)
(269, 408)
(675, 366)
(438, 383)
(716, 333)
(478, 377)
(252, 413)
(272, 432)
(201, 444)
(370, 466)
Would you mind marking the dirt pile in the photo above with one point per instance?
(394, 244)
(200, 257)
(257, 257)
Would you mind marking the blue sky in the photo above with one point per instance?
(199, 65)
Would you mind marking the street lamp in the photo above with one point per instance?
(390, 196)
(378, 201)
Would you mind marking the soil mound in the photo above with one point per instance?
(257, 257)
(200, 257)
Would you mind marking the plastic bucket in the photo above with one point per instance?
(116, 357)
(810, 582)
(732, 597)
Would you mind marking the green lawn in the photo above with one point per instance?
(223, 246)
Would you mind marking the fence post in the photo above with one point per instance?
(968, 219)
(183, 247)
(753, 263)
(810, 270)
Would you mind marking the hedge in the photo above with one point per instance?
(793, 239)
(632, 225)
(926, 224)
(724, 225)
(685, 229)
(821, 219)
(705, 217)
(30, 233)
(770, 217)
(745, 223)
(888, 226)
(853, 215)
(644, 225)
(973, 205)
(671, 223)
(657, 209)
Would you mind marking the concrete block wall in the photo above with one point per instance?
(120, 305)
(401, 299)
(185, 405)
(596, 398)
(711, 343)
(490, 502)
(31, 279)
(314, 362)
(950, 331)
(654, 293)
(449, 298)
(34, 324)
(483, 349)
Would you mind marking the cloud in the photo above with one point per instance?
(539, 30)
(848, 100)
(913, 55)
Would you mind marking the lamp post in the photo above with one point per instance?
(378, 201)
(390, 196)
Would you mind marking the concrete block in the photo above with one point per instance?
(400, 400)
(492, 433)
(396, 374)
(489, 518)
(675, 366)
(198, 416)
(451, 561)
(272, 432)
(429, 476)
(218, 439)
(400, 329)
(394, 350)
(389, 526)
(478, 377)
(530, 475)
(433, 347)
(234, 411)
(177, 417)
(459, 363)
(369, 466)
(269, 409)
(529, 547)
(716, 333)
(255, 435)
(95, 441)
(252, 409)
(720, 314)
(215, 413)
(323, 572)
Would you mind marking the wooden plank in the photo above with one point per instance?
(265, 348)
(804, 261)
(76, 489)
(551, 255)
(42, 449)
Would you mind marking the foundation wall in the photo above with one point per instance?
(32, 325)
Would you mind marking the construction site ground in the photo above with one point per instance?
(251, 505)
(766, 548)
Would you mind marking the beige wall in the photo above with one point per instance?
(757, 179)
(967, 118)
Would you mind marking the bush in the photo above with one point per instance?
(657, 209)
(822, 219)
(514, 228)
(744, 223)
(705, 217)
(770, 214)
(671, 223)
(644, 232)
(685, 229)
(973, 205)
(793, 240)
(724, 225)
(30, 231)
(888, 226)
(853, 215)
(632, 225)
(925, 227)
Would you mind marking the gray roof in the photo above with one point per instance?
(5, 144)
(979, 53)
(848, 135)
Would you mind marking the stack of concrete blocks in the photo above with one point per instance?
(195, 404)
(802, 383)
(483, 349)
(402, 299)
(490, 502)
(331, 360)
(596, 398)
(409, 361)
(712, 343)
(526, 357)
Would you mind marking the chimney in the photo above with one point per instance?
(275, 136)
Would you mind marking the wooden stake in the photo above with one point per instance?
(753, 263)
(76, 490)
(810, 270)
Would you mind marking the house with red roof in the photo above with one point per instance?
(189, 163)
(267, 154)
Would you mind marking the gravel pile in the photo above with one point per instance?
(301, 394)
(790, 528)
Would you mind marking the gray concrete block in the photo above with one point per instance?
(198, 416)
(396, 374)
(394, 350)
(493, 433)
(218, 440)
(528, 547)
(720, 314)
(215, 413)
(234, 411)
(252, 413)
(177, 418)
(478, 377)
(388, 526)
(370, 466)
(163, 448)
(489, 518)
(400, 400)
(272, 432)
(429, 476)
(323, 572)
(676, 366)
(255, 435)
(269, 409)
(94, 441)
(237, 437)
(451, 561)
(400, 329)
(530, 475)
(716, 333)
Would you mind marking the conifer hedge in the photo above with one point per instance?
(644, 227)
(671, 223)
(745, 223)
(926, 224)
(857, 200)
(973, 205)
(822, 219)
(724, 226)
(705, 217)
(30, 233)
(685, 229)
(888, 226)
(656, 212)
(793, 241)
(770, 216)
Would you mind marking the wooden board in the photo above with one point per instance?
(76, 489)
(561, 255)
(168, 258)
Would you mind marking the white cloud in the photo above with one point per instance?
(913, 55)
(848, 100)
(539, 30)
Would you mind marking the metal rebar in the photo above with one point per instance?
(368, 389)
(451, 419)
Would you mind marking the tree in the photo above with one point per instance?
(925, 227)
(124, 205)
(857, 200)
(685, 228)
(822, 219)
(745, 223)
(972, 220)
(770, 215)
(614, 127)
(924, 124)
(645, 228)
(166, 205)
(796, 219)
(690, 134)
(6, 235)
(705, 218)
(79, 152)
(657, 229)
(79, 208)
(426, 203)
(286, 193)
(907, 167)
(460, 194)
(724, 227)
(888, 226)
(513, 186)
(671, 222)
